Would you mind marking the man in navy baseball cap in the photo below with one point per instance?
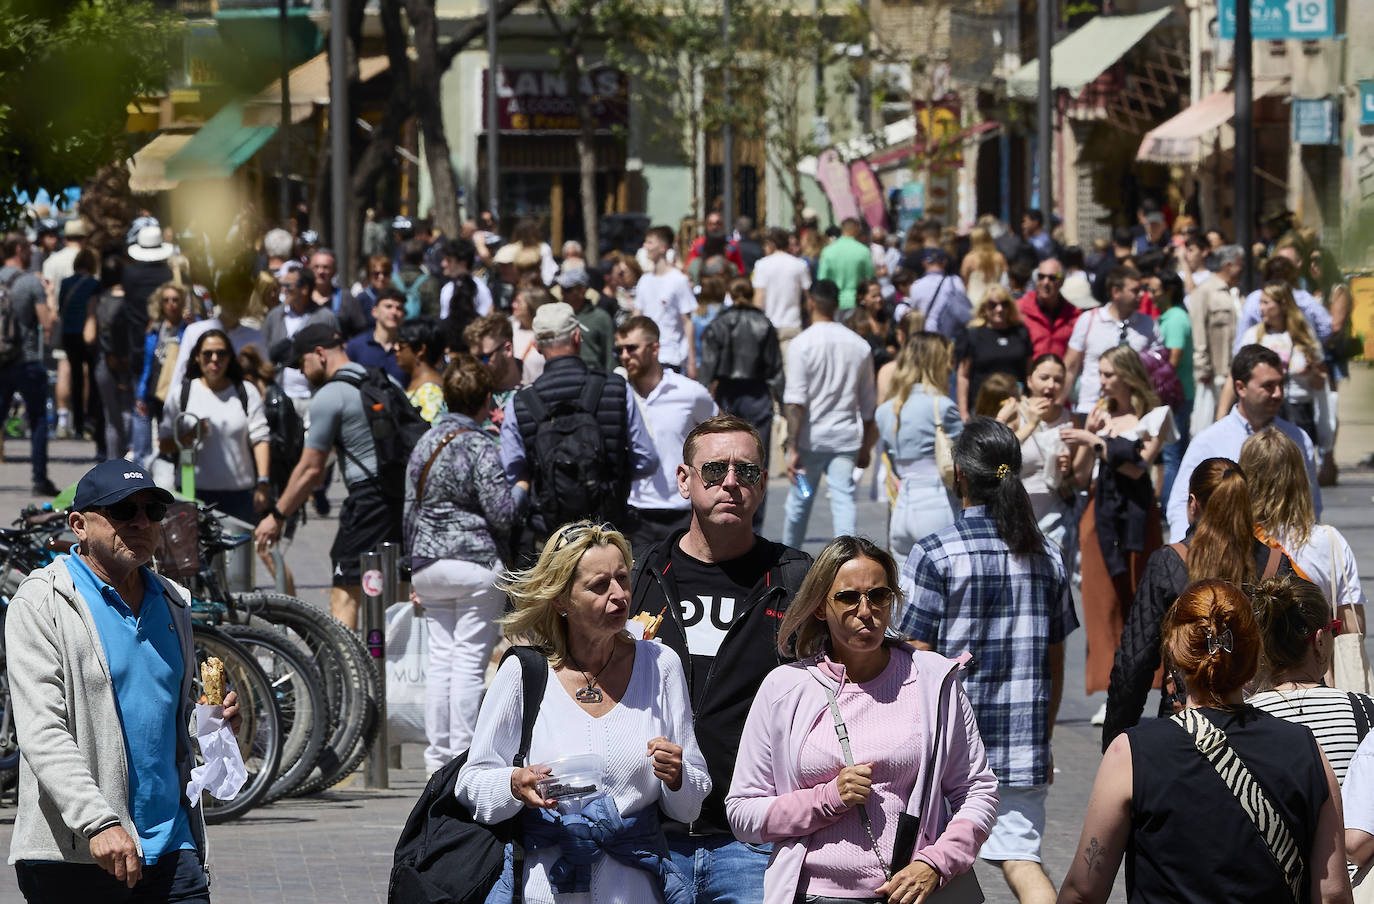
(114, 481)
(102, 680)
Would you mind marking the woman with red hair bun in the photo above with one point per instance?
(1222, 802)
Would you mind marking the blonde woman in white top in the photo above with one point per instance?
(623, 700)
(1281, 499)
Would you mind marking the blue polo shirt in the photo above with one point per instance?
(146, 666)
(364, 349)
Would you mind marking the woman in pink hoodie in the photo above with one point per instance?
(853, 756)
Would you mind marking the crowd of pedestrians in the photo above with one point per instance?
(574, 453)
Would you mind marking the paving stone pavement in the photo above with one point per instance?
(336, 847)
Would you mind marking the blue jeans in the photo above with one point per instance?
(176, 878)
(719, 869)
(838, 470)
(1172, 454)
(30, 380)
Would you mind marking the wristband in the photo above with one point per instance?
(264, 481)
(276, 513)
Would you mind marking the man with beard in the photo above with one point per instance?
(337, 418)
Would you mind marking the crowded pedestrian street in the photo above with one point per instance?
(741, 452)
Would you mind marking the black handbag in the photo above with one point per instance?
(444, 856)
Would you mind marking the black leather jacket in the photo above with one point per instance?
(741, 344)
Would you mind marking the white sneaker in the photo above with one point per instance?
(1100, 716)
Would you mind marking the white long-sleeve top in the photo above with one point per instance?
(655, 704)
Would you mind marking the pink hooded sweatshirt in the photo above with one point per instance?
(767, 803)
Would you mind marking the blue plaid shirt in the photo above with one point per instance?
(966, 591)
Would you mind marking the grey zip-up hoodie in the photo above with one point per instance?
(73, 771)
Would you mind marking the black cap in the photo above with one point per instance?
(114, 480)
(312, 336)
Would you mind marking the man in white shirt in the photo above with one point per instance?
(830, 399)
(1118, 322)
(779, 280)
(1257, 374)
(671, 405)
(664, 295)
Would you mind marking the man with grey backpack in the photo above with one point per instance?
(25, 316)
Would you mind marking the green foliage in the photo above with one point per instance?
(68, 71)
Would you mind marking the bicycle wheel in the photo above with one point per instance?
(299, 695)
(351, 681)
(260, 737)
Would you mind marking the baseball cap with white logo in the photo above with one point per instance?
(112, 481)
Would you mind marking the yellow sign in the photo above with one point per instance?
(1362, 311)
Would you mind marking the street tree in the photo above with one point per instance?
(68, 71)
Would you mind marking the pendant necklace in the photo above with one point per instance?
(591, 693)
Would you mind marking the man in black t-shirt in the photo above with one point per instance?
(722, 590)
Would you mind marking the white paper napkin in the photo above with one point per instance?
(223, 773)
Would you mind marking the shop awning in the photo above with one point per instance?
(1086, 54)
(148, 168)
(1177, 140)
(221, 146)
(309, 87)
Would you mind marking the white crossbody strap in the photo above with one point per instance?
(1212, 743)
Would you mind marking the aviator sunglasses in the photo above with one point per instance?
(713, 472)
(877, 597)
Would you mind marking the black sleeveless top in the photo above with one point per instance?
(1190, 840)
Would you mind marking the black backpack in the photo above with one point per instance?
(11, 340)
(444, 856)
(396, 426)
(288, 436)
(573, 475)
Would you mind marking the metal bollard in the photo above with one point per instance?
(374, 634)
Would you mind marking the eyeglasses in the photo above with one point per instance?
(378, 273)
(175, 298)
(209, 354)
(997, 305)
(876, 597)
(625, 350)
(291, 286)
(1051, 277)
(713, 472)
(126, 511)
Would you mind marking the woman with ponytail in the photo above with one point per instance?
(1176, 813)
(1220, 545)
(992, 585)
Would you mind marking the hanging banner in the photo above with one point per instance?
(834, 178)
(1279, 20)
(869, 193)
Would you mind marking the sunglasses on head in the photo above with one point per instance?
(126, 511)
(713, 472)
(877, 597)
(1052, 277)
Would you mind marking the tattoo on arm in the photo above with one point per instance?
(1093, 854)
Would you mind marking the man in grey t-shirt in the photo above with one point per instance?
(337, 420)
(25, 374)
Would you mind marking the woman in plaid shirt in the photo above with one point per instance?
(992, 585)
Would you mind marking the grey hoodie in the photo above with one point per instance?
(73, 774)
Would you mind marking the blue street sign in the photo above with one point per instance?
(1278, 20)
(1315, 121)
(1367, 102)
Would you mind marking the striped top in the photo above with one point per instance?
(1328, 712)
